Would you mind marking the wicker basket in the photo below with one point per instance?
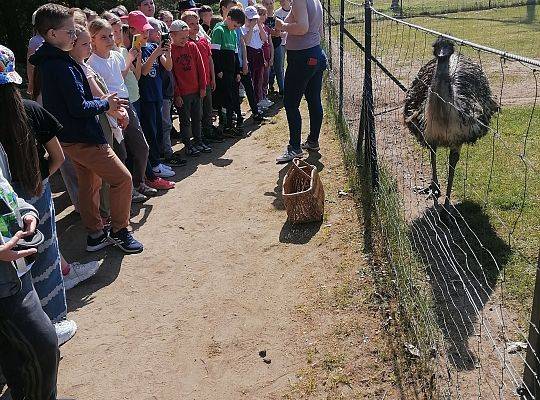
(303, 193)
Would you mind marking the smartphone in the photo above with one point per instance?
(165, 38)
(137, 41)
(271, 22)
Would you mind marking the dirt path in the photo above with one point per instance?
(223, 277)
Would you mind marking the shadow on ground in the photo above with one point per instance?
(464, 257)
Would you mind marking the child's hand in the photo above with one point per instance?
(166, 47)
(245, 69)
(114, 102)
(279, 24)
(265, 64)
(123, 119)
(271, 62)
(202, 93)
(220, 75)
(178, 102)
(213, 84)
(238, 78)
(6, 252)
(132, 55)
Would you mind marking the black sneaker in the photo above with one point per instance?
(98, 243)
(259, 117)
(125, 241)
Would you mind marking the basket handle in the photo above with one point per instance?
(297, 161)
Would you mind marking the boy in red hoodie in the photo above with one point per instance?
(189, 87)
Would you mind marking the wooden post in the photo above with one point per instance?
(531, 389)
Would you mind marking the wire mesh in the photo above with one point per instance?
(463, 267)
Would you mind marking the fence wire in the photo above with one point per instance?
(463, 271)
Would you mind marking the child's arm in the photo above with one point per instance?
(216, 52)
(212, 74)
(262, 33)
(271, 52)
(137, 66)
(245, 65)
(201, 73)
(248, 32)
(132, 55)
(147, 64)
(166, 58)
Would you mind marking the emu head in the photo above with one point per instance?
(443, 48)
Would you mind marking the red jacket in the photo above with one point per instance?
(188, 70)
(206, 54)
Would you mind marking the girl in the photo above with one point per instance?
(255, 36)
(27, 133)
(268, 52)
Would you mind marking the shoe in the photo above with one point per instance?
(126, 241)
(259, 117)
(137, 197)
(65, 330)
(191, 151)
(289, 155)
(241, 92)
(160, 184)
(147, 190)
(165, 166)
(262, 105)
(311, 146)
(204, 148)
(230, 132)
(79, 272)
(175, 161)
(97, 243)
(162, 172)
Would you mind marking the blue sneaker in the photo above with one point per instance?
(97, 243)
(125, 241)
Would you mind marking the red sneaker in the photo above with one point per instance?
(160, 184)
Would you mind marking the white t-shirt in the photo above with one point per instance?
(110, 69)
(256, 41)
(282, 14)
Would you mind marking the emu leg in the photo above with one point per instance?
(433, 189)
(453, 159)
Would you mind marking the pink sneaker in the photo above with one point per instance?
(160, 184)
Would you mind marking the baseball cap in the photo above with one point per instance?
(178, 25)
(251, 12)
(185, 5)
(137, 20)
(7, 67)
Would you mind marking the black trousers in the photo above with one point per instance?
(29, 352)
(250, 94)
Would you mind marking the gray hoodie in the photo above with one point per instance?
(10, 283)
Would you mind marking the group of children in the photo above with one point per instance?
(107, 87)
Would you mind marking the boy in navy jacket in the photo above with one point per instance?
(66, 94)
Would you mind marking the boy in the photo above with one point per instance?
(190, 87)
(192, 20)
(226, 65)
(151, 97)
(205, 15)
(66, 94)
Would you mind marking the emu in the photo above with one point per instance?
(448, 104)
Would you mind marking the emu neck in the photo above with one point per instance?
(441, 95)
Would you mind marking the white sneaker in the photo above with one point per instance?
(289, 155)
(65, 330)
(162, 172)
(79, 272)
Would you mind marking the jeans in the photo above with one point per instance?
(277, 69)
(151, 123)
(190, 119)
(166, 121)
(46, 272)
(136, 147)
(29, 352)
(304, 78)
(246, 81)
(206, 111)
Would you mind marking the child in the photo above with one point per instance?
(190, 87)
(255, 36)
(226, 65)
(205, 15)
(151, 92)
(278, 38)
(112, 67)
(66, 94)
(192, 20)
(167, 17)
(268, 52)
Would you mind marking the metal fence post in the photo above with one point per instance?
(329, 34)
(341, 53)
(367, 101)
(532, 368)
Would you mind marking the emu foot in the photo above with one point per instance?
(433, 190)
(445, 213)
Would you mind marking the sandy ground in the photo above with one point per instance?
(222, 277)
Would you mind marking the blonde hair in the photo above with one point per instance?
(261, 9)
(79, 29)
(79, 17)
(187, 14)
(97, 25)
(162, 14)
